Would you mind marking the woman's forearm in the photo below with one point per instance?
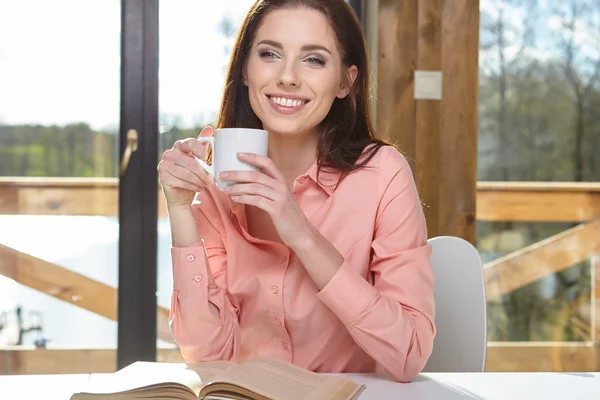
(184, 231)
(320, 258)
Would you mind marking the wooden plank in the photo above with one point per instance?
(398, 28)
(73, 201)
(9, 200)
(591, 187)
(596, 307)
(538, 204)
(27, 361)
(61, 182)
(460, 91)
(68, 286)
(533, 262)
(541, 357)
(428, 128)
(501, 357)
(63, 196)
(496, 201)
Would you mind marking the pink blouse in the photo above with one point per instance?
(378, 309)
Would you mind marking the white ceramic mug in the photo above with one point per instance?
(226, 144)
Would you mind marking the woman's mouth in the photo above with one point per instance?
(286, 105)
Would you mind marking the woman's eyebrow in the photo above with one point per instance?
(306, 47)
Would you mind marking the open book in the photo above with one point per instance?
(257, 379)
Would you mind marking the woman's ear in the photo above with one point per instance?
(351, 74)
(245, 74)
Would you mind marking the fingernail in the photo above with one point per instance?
(235, 198)
(227, 189)
(223, 174)
(242, 154)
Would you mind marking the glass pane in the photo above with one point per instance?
(195, 43)
(554, 308)
(59, 114)
(539, 125)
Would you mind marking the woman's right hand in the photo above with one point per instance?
(180, 175)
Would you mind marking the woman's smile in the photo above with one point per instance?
(287, 104)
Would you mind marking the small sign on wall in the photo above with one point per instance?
(428, 85)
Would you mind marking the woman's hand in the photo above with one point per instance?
(268, 191)
(180, 175)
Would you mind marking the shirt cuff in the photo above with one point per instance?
(190, 267)
(347, 294)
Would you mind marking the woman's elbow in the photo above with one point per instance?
(418, 354)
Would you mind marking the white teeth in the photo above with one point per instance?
(287, 102)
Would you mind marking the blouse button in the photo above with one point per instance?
(274, 289)
(198, 278)
(191, 258)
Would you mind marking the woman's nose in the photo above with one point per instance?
(288, 75)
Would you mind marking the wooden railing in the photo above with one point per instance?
(534, 202)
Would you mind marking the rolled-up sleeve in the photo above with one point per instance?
(199, 279)
(393, 319)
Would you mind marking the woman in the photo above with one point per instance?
(320, 259)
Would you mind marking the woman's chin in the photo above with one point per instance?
(285, 129)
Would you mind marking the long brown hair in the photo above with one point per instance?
(347, 129)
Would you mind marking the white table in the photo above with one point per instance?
(428, 386)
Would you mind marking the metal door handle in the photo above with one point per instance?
(132, 145)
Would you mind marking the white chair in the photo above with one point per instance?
(460, 317)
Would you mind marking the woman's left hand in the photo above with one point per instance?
(268, 191)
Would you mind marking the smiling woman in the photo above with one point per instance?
(308, 51)
(320, 255)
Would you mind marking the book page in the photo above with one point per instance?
(280, 380)
(143, 374)
(208, 370)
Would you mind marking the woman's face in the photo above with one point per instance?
(294, 71)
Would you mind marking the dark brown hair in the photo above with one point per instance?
(347, 129)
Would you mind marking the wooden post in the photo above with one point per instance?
(438, 137)
(596, 307)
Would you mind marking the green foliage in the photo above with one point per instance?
(73, 150)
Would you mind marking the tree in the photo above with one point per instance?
(578, 39)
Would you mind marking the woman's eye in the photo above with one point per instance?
(267, 54)
(315, 60)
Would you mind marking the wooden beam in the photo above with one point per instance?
(501, 357)
(458, 158)
(541, 357)
(531, 263)
(496, 201)
(63, 196)
(398, 30)
(538, 201)
(439, 138)
(596, 308)
(69, 286)
(428, 130)
(21, 360)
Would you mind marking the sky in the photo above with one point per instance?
(548, 28)
(60, 59)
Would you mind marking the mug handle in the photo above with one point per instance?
(208, 168)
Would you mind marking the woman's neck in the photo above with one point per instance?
(293, 155)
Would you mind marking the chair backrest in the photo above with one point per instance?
(460, 317)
